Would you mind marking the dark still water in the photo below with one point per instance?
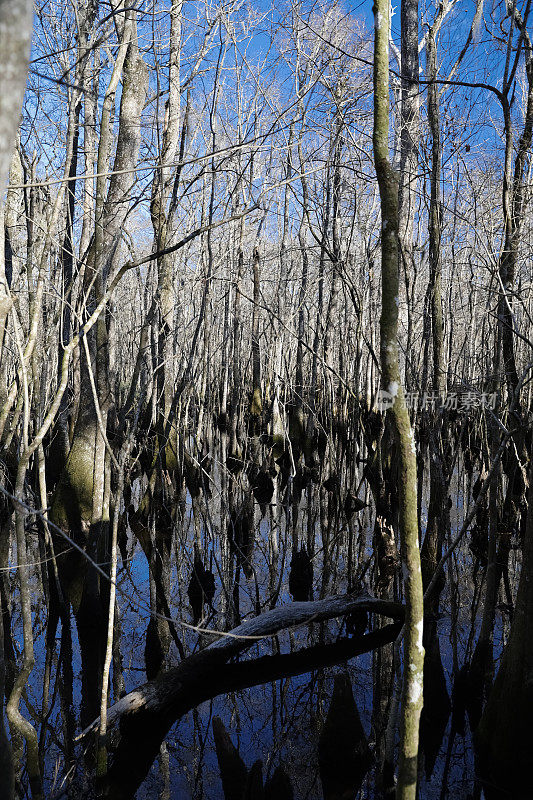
(290, 724)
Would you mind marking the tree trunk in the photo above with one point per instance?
(504, 737)
(391, 383)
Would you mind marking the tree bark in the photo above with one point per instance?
(391, 383)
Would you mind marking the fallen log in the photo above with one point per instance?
(145, 715)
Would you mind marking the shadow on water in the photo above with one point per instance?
(294, 717)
